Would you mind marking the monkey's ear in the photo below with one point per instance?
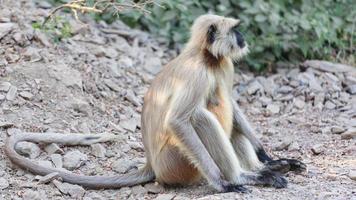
(211, 34)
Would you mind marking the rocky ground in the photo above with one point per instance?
(94, 82)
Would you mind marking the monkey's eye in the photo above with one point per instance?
(211, 34)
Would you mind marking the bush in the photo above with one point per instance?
(277, 30)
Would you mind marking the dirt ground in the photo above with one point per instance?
(94, 82)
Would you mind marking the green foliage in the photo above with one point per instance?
(57, 28)
(277, 30)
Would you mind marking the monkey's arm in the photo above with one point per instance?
(243, 128)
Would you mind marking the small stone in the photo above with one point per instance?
(165, 196)
(110, 52)
(330, 105)
(337, 130)
(48, 178)
(31, 195)
(152, 65)
(299, 104)
(138, 190)
(130, 96)
(81, 106)
(98, 150)
(26, 95)
(57, 160)
(349, 134)
(11, 94)
(6, 28)
(74, 159)
(2, 97)
(45, 163)
(129, 124)
(352, 175)
(154, 188)
(125, 62)
(317, 149)
(284, 144)
(3, 183)
(273, 108)
(113, 86)
(28, 149)
(122, 165)
(53, 148)
(74, 191)
(93, 196)
(253, 87)
(351, 89)
(5, 86)
(44, 5)
(294, 147)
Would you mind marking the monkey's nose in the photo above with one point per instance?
(240, 39)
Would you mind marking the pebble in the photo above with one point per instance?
(93, 196)
(57, 160)
(352, 175)
(337, 130)
(26, 95)
(3, 183)
(125, 62)
(299, 103)
(273, 108)
(81, 106)
(253, 87)
(6, 28)
(317, 149)
(28, 149)
(349, 134)
(351, 89)
(154, 188)
(153, 65)
(5, 86)
(53, 148)
(113, 86)
(122, 165)
(74, 191)
(31, 195)
(6, 124)
(74, 159)
(130, 96)
(98, 150)
(138, 190)
(12, 93)
(284, 144)
(330, 105)
(45, 163)
(129, 124)
(165, 196)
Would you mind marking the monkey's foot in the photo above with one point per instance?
(271, 178)
(235, 188)
(285, 165)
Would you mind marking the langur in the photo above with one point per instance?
(191, 126)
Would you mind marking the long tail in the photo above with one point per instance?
(143, 175)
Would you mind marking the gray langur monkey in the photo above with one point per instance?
(191, 126)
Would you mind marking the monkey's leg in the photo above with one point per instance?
(242, 126)
(197, 152)
(221, 150)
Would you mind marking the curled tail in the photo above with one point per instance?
(143, 175)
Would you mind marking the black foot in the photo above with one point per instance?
(235, 188)
(285, 165)
(271, 178)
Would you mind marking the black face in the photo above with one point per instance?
(239, 38)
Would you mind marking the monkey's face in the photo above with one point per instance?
(225, 39)
(222, 36)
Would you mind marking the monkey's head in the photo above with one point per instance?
(218, 35)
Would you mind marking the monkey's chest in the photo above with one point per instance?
(220, 105)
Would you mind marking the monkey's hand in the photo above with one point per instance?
(285, 165)
(235, 188)
(271, 178)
